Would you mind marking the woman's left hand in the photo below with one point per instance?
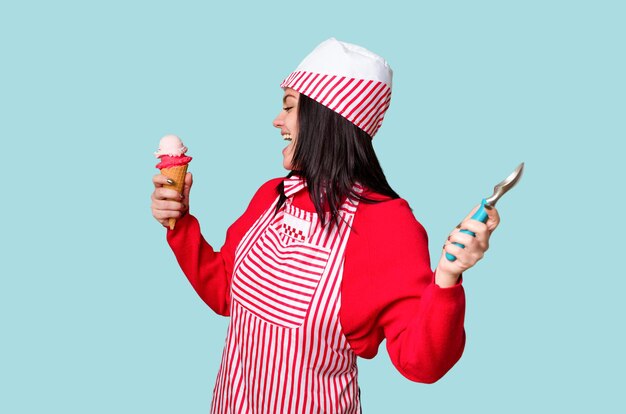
(448, 273)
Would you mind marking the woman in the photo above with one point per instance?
(325, 263)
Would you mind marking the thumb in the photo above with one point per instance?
(494, 219)
(188, 184)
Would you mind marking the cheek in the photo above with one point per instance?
(293, 123)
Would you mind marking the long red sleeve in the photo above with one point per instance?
(389, 293)
(209, 271)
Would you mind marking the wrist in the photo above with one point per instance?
(445, 278)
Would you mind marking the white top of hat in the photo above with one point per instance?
(333, 57)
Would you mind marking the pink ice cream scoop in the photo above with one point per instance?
(171, 152)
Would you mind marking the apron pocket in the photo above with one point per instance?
(277, 280)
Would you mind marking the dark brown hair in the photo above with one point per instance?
(332, 154)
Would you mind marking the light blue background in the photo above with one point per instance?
(95, 315)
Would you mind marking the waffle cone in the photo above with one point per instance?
(176, 174)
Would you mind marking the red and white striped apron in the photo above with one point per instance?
(285, 349)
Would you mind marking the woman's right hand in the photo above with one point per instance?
(168, 203)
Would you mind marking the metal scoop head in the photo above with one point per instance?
(504, 186)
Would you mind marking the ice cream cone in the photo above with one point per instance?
(173, 164)
(176, 174)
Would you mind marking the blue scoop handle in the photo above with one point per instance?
(479, 215)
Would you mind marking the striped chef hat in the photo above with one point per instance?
(348, 79)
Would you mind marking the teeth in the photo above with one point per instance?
(287, 137)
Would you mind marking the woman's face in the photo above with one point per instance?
(287, 122)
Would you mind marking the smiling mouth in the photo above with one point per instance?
(287, 137)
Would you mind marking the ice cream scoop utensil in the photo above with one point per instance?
(498, 191)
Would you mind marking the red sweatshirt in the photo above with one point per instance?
(388, 290)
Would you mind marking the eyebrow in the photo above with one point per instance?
(288, 96)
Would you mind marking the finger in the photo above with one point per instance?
(471, 213)
(164, 221)
(165, 214)
(471, 249)
(474, 226)
(481, 233)
(162, 193)
(454, 250)
(160, 180)
(464, 239)
(465, 257)
(478, 244)
(168, 205)
(473, 245)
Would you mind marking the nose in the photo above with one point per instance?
(279, 121)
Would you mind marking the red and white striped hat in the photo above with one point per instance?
(348, 79)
